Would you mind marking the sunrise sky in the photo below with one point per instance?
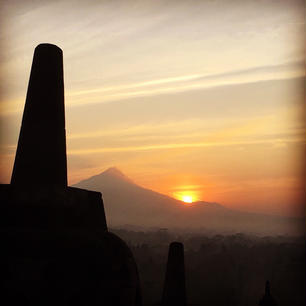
(188, 98)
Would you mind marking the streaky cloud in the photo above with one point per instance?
(182, 145)
(190, 82)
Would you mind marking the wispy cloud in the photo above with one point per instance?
(130, 86)
(186, 83)
(182, 146)
(170, 85)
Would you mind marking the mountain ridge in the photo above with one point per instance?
(125, 202)
(115, 173)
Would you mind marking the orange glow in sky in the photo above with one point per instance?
(186, 195)
(187, 199)
(219, 119)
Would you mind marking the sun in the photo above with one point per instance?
(187, 198)
(186, 195)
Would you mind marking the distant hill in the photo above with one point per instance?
(126, 203)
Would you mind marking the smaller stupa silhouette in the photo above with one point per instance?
(267, 299)
(174, 293)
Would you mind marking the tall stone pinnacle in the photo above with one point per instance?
(174, 288)
(41, 152)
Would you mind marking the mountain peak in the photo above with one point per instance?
(116, 173)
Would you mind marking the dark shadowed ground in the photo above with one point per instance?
(223, 270)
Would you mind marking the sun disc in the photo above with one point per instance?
(187, 199)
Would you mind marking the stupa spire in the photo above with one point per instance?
(41, 152)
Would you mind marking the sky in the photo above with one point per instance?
(189, 98)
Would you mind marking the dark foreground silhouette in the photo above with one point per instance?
(56, 248)
(267, 299)
(222, 270)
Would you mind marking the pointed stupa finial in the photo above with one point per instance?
(267, 299)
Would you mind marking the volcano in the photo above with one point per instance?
(127, 203)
